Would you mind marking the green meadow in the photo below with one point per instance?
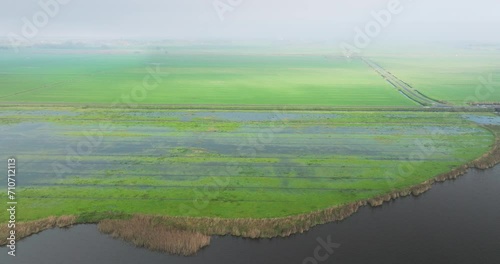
(193, 79)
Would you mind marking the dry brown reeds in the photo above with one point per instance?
(144, 231)
(24, 229)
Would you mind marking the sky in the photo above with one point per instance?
(416, 20)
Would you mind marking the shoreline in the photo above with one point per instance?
(187, 235)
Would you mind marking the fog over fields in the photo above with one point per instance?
(445, 20)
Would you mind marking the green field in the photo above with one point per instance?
(196, 76)
(193, 79)
(222, 163)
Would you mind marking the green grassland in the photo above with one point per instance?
(187, 163)
(193, 79)
(236, 76)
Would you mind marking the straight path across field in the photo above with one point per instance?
(402, 86)
(459, 77)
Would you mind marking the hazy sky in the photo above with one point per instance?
(425, 20)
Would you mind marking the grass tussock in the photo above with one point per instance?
(144, 231)
(25, 229)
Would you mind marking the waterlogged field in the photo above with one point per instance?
(191, 78)
(106, 163)
(459, 76)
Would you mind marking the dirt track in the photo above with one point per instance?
(403, 87)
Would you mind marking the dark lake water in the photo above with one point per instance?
(456, 222)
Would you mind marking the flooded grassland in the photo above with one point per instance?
(182, 176)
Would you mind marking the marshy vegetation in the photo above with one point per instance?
(189, 183)
(24, 229)
(146, 232)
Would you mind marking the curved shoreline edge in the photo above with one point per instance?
(187, 235)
